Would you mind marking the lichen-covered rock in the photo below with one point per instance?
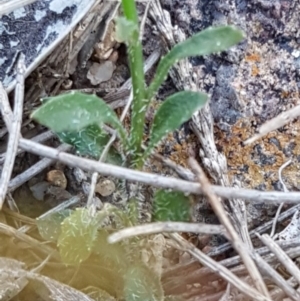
(250, 84)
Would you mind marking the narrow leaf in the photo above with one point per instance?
(171, 206)
(91, 141)
(78, 234)
(75, 111)
(175, 110)
(141, 284)
(208, 41)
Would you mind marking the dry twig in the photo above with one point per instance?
(260, 229)
(219, 269)
(281, 255)
(161, 227)
(275, 276)
(12, 232)
(282, 204)
(34, 170)
(39, 138)
(232, 235)
(15, 127)
(275, 123)
(154, 179)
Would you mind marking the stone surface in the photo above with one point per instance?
(250, 84)
(36, 30)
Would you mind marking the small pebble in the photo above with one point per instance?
(105, 187)
(57, 178)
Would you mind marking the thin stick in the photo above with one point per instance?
(278, 293)
(276, 277)
(12, 232)
(260, 229)
(291, 247)
(218, 269)
(12, 146)
(157, 180)
(275, 123)
(281, 255)
(72, 201)
(238, 245)
(34, 170)
(161, 227)
(39, 138)
(5, 107)
(184, 173)
(285, 190)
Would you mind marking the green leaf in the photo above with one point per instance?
(171, 206)
(174, 111)
(112, 256)
(74, 111)
(141, 284)
(208, 41)
(78, 234)
(125, 29)
(91, 141)
(50, 226)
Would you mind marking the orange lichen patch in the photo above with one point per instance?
(289, 94)
(254, 57)
(254, 70)
(259, 162)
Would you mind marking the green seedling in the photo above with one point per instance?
(74, 113)
(78, 120)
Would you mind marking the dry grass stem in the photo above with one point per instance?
(64, 205)
(14, 133)
(281, 255)
(193, 273)
(260, 229)
(275, 124)
(184, 173)
(34, 170)
(45, 249)
(278, 294)
(5, 107)
(154, 179)
(238, 245)
(19, 217)
(219, 269)
(282, 204)
(276, 277)
(161, 227)
(38, 138)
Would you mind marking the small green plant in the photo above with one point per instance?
(78, 120)
(72, 114)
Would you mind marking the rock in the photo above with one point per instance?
(57, 178)
(99, 73)
(105, 187)
(39, 190)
